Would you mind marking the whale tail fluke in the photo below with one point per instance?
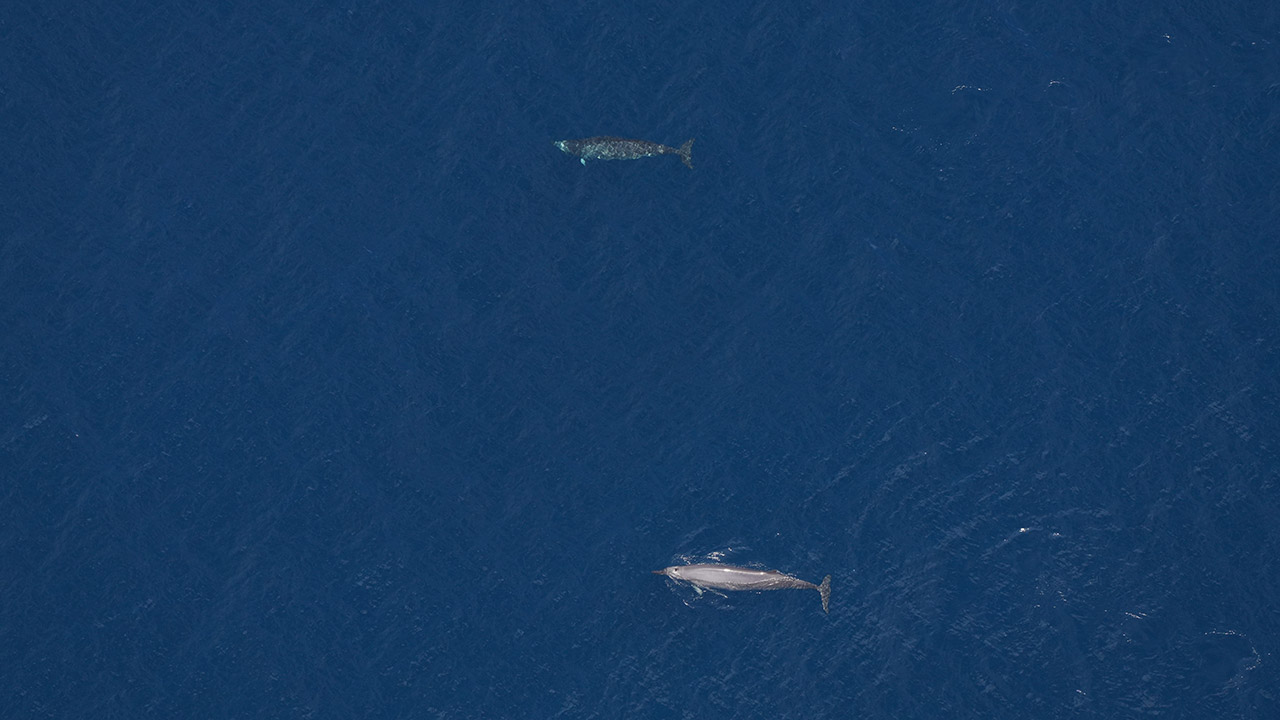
(825, 591)
(686, 153)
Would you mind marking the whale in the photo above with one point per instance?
(731, 577)
(615, 148)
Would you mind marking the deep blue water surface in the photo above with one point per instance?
(331, 388)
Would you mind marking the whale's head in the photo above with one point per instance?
(560, 144)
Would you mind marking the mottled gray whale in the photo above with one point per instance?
(612, 148)
(730, 577)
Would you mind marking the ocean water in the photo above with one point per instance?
(333, 389)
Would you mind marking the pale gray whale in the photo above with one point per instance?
(730, 577)
(613, 148)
